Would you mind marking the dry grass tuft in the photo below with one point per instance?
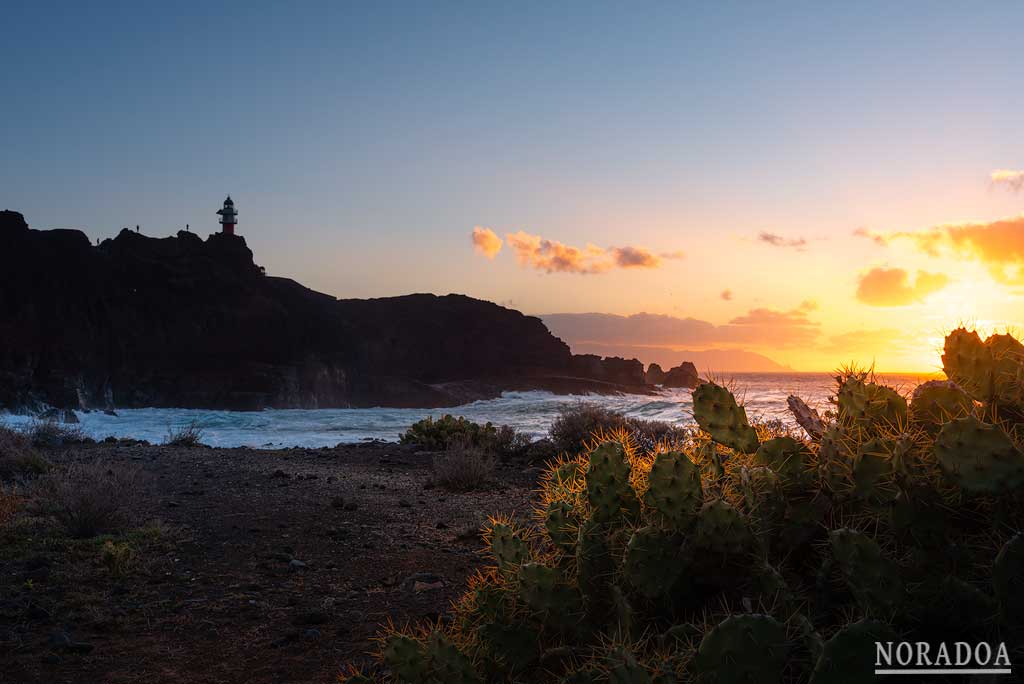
(50, 433)
(463, 467)
(90, 498)
(190, 435)
(17, 455)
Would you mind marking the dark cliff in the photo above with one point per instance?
(187, 322)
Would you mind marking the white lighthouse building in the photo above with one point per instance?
(228, 217)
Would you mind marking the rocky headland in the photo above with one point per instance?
(136, 321)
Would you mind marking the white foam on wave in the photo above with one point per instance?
(529, 412)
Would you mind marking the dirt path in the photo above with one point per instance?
(272, 566)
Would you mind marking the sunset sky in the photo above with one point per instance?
(816, 182)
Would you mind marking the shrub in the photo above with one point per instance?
(438, 435)
(577, 424)
(463, 467)
(190, 435)
(90, 498)
(50, 433)
(17, 456)
(118, 557)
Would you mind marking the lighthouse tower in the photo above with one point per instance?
(227, 217)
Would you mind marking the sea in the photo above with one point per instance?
(763, 394)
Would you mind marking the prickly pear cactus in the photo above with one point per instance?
(406, 658)
(608, 488)
(743, 648)
(1007, 369)
(968, 362)
(873, 579)
(559, 524)
(871, 464)
(710, 461)
(652, 561)
(674, 487)
(722, 529)
(788, 458)
(718, 414)
(546, 591)
(937, 402)
(626, 670)
(513, 645)
(1008, 578)
(869, 405)
(507, 547)
(834, 454)
(849, 656)
(762, 492)
(448, 663)
(981, 458)
(594, 564)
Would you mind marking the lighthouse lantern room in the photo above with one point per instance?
(227, 217)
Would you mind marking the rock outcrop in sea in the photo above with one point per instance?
(184, 322)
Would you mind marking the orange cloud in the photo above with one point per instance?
(486, 241)
(772, 328)
(554, 257)
(998, 244)
(891, 286)
(726, 295)
(1008, 177)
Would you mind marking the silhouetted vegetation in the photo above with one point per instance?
(190, 435)
(89, 498)
(463, 467)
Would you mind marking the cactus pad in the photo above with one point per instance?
(559, 524)
(448, 663)
(868, 404)
(406, 658)
(981, 458)
(743, 648)
(873, 579)
(849, 656)
(608, 488)
(968, 362)
(546, 591)
(718, 414)
(674, 487)
(722, 529)
(652, 561)
(937, 402)
(507, 547)
(788, 458)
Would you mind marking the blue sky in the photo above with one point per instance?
(362, 143)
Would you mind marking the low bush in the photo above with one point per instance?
(90, 498)
(17, 455)
(448, 431)
(118, 557)
(463, 467)
(190, 435)
(438, 435)
(577, 424)
(50, 433)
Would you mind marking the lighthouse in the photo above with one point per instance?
(227, 217)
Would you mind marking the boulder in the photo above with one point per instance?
(654, 375)
(683, 375)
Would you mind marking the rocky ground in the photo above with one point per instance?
(242, 566)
